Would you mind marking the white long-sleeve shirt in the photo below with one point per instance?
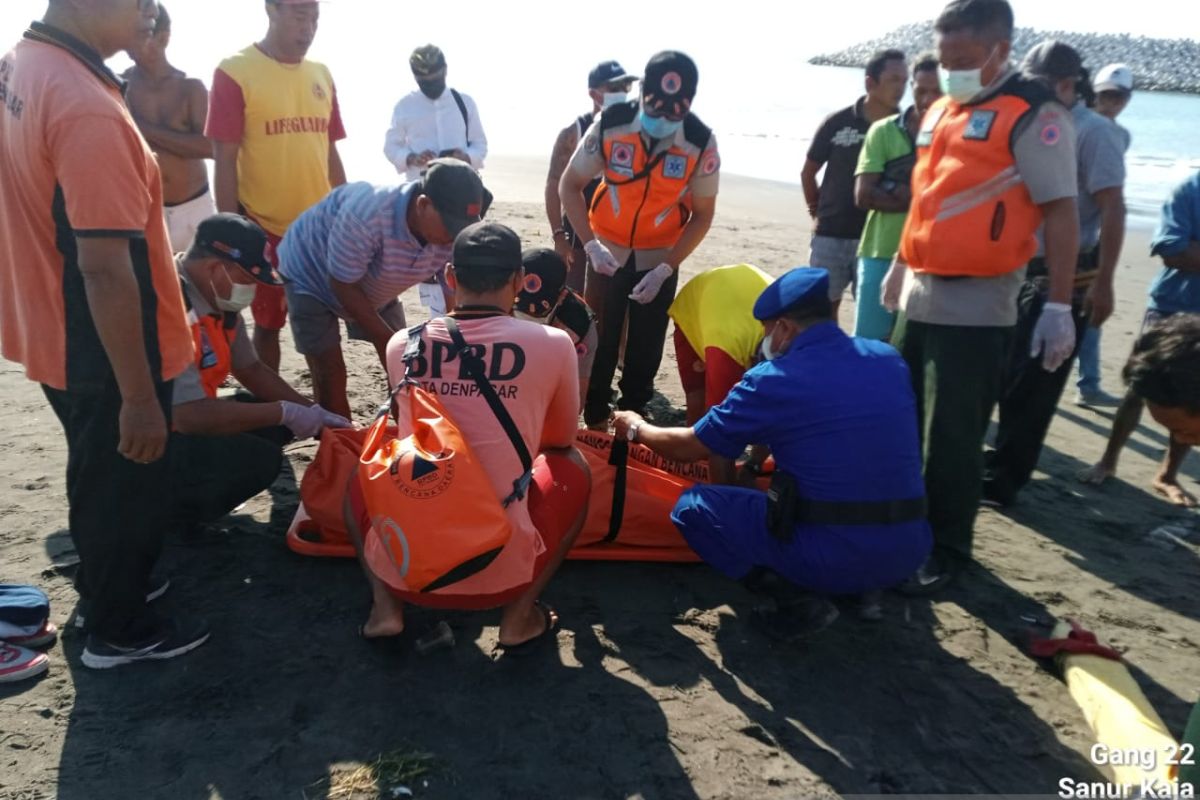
(420, 124)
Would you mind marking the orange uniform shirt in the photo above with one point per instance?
(74, 166)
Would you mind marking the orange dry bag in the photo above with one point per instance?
(435, 518)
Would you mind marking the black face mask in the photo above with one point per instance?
(432, 89)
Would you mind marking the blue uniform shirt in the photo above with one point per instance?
(1175, 291)
(837, 412)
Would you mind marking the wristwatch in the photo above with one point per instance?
(631, 434)
(557, 231)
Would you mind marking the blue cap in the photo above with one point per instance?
(797, 287)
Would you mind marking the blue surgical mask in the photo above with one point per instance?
(658, 127)
(612, 98)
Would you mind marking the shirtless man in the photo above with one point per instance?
(170, 109)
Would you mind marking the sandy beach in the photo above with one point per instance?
(660, 688)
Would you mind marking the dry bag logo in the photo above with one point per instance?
(421, 478)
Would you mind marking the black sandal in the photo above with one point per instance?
(529, 646)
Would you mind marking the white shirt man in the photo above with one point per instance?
(433, 121)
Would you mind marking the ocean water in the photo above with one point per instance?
(525, 62)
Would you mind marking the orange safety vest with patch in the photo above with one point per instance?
(212, 338)
(971, 214)
(642, 202)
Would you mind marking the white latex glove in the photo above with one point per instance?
(649, 286)
(1053, 336)
(892, 286)
(601, 258)
(307, 421)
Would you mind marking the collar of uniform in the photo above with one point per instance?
(48, 34)
(822, 331)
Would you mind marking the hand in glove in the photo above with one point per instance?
(307, 421)
(892, 286)
(649, 286)
(1053, 336)
(602, 260)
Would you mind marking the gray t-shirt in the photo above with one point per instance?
(1046, 164)
(1101, 162)
(187, 387)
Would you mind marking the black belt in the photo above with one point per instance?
(871, 512)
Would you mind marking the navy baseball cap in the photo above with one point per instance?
(608, 72)
(798, 287)
(234, 238)
(545, 277)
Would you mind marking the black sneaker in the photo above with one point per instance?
(158, 584)
(177, 638)
(930, 577)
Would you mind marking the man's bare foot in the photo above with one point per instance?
(382, 623)
(1096, 474)
(516, 630)
(1173, 492)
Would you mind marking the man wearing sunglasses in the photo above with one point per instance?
(608, 84)
(660, 170)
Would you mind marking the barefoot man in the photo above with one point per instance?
(170, 109)
(1175, 291)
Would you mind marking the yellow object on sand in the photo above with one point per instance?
(1126, 726)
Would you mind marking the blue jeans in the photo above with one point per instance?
(872, 320)
(1089, 362)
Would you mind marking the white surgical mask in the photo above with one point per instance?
(766, 350)
(240, 296)
(612, 98)
(962, 85)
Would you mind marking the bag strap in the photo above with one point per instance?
(474, 367)
(619, 458)
(462, 109)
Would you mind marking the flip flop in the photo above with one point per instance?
(529, 646)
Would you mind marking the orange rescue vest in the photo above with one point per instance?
(212, 338)
(642, 202)
(971, 215)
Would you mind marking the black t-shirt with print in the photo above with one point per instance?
(836, 145)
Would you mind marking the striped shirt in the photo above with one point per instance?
(359, 234)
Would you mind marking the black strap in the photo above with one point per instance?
(474, 367)
(462, 109)
(869, 512)
(619, 458)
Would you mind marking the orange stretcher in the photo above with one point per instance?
(633, 492)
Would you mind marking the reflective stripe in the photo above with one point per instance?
(976, 196)
(616, 203)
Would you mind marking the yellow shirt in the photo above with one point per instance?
(284, 117)
(715, 309)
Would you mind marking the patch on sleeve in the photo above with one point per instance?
(1051, 134)
(979, 125)
(710, 164)
(591, 145)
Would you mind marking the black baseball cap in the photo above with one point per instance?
(669, 85)
(428, 59)
(232, 237)
(545, 277)
(1054, 60)
(457, 193)
(608, 72)
(487, 245)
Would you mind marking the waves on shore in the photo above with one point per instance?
(1161, 65)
